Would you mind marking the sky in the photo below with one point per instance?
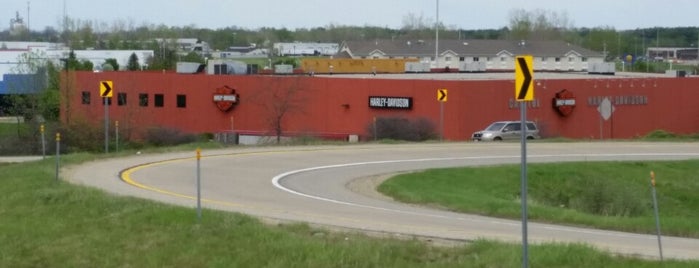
(464, 14)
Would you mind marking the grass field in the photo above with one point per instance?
(49, 224)
(608, 195)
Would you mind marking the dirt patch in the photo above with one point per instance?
(366, 186)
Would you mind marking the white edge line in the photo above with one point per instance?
(276, 181)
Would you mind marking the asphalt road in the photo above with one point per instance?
(310, 184)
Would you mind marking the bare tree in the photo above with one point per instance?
(538, 24)
(281, 97)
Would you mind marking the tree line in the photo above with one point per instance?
(523, 25)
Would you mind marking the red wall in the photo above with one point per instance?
(340, 105)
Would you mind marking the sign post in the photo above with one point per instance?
(116, 133)
(106, 91)
(198, 184)
(655, 209)
(524, 91)
(43, 141)
(58, 153)
(441, 98)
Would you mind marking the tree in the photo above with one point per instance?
(538, 25)
(112, 62)
(281, 98)
(133, 64)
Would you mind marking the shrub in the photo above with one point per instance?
(163, 136)
(81, 136)
(401, 128)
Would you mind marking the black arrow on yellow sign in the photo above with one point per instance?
(523, 79)
(442, 95)
(106, 88)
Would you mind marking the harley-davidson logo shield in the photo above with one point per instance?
(564, 102)
(225, 98)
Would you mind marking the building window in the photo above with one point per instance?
(584, 59)
(448, 59)
(86, 97)
(558, 59)
(571, 59)
(502, 58)
(181, 101)
(543, 59)
(476, 59)
(121, 99)
(159, 100)
(109, 101)
(143, 100)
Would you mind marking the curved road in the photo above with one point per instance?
(310, 184)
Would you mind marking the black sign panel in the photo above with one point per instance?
(383, 102)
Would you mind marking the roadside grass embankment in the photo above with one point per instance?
(44, 223)
(606, 195)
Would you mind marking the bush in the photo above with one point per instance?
(80, 136)
(162, 136)
(599, 196)
(400, 128)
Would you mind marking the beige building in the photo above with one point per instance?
(491, 55)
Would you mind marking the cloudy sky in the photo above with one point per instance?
(465, 14)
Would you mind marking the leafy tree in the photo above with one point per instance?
(165, 56)
(111, 62)
(133, 64)
(193, 57)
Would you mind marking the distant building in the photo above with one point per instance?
(17, 25)
(306, 49)
(251, 51)
(185, 46)
(672, 53)
(493, 54)
(14, 74)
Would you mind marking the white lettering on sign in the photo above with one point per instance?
(391, 102)
(565, 102)
(231, 98)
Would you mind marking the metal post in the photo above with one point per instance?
(43, 141)
(441, 121)
(655, 209)
(198, 184)
(375, 131)
(523, 130)
(116, 133)
(106, 125)
(58, 153)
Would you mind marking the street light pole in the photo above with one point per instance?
(436, 39)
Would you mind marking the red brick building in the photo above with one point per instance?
(334, 105)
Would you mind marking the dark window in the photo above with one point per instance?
(86, 97)
(181, 101)
(558, 59)
(121, 99)
(143, 100)
(109, 101)
(159, 100)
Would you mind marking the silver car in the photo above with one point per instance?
(506, 130)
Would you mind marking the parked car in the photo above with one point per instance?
(506, 130)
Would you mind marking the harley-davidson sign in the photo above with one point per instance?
(564, 102)
(225, 98)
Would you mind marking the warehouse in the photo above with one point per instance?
(344, 105)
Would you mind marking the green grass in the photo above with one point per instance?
(608, 195)
(49, 224)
